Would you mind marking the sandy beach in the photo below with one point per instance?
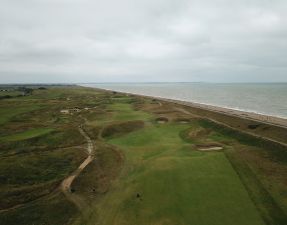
(272, 120)
(267, 119)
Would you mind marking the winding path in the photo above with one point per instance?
(66, 184)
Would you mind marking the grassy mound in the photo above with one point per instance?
(27, 177)
(12, 110)
(96, 178)
(93, 131)
(32, 133)
(55, 210)
(194, 134)
(119, 129)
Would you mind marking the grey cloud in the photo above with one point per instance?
(163, 40)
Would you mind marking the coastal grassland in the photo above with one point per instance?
(53, 209)
(97, 177)
(148, 168)
(40, 146)
(276, 133)
(10, 93)
(29, 176)
(9, 111)
(118, 110)
(56, 139)
(126, 112)
(165, 180)
(32, 133)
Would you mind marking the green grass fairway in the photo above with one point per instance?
(27, 134)
(121, 112)
(126, 112)
(176, 184)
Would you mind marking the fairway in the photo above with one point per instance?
(125, 111)
(165, 181)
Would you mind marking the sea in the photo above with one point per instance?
(262, 98)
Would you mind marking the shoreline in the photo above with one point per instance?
(256, 117)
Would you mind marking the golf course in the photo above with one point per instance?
(72, 155)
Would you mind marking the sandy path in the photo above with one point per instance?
(66, 184)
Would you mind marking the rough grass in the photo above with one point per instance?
(7, 112)
(96, 178)
(61, 138)
(116, 111)
(122, 128)
(54, 210)
(10, 93)
(27, 177)
(32, 133)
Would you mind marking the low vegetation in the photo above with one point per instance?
(32, 133)
(121, 128)
(152, 163)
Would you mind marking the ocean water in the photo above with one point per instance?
(267, 98)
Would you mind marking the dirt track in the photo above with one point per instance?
(66, 184)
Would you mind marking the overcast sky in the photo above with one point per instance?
(143, 40)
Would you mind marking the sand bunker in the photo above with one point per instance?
(209, 147)
(183, 121)
(161, 120)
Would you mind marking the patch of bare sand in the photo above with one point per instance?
(209, 147)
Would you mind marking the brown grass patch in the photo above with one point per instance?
(122, 128)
